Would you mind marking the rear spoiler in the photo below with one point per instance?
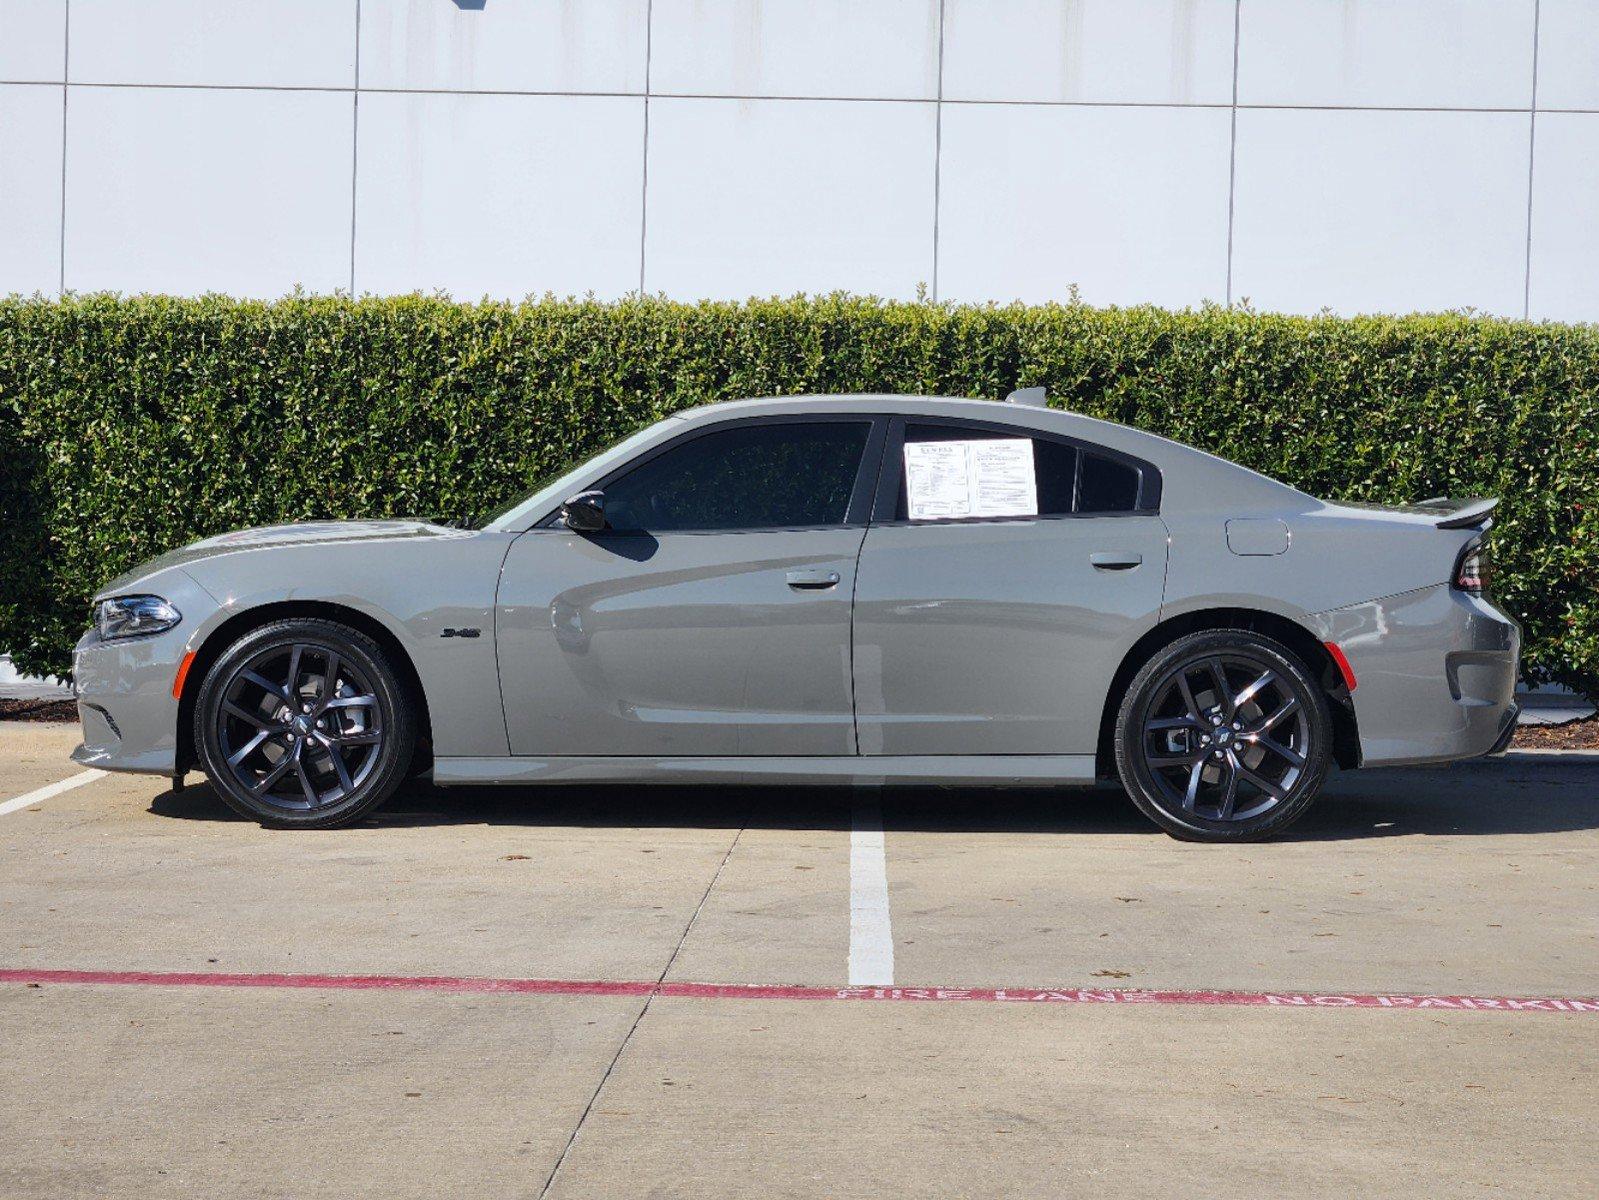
(1460, 514)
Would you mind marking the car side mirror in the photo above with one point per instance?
(584, 512)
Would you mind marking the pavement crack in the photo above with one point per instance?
(643, 1009)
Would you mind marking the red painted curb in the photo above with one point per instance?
(760, 991)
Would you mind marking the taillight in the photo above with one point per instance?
(1473, 572)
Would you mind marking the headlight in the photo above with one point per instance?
(130, 616)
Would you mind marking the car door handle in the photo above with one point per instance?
(1119, 560)
(812, 581)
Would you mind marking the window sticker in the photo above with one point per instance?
(936, 480)
(981, 478)
(1002, 478)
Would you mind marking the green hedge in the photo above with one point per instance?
(128, 426)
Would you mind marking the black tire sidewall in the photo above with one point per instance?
(1134, 772)
(394, 706)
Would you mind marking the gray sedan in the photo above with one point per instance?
(847, 589)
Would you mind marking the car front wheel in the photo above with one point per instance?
(1223, 736)
(304, 724)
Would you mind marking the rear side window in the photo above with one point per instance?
(761, 476)
(953, 472)
(994, 485)
(1107, 486)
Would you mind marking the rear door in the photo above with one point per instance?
(1005, 574)
(712, 618)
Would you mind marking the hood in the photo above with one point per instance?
(269, 536)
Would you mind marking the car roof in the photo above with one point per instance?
(846, 403)
(1025, 415)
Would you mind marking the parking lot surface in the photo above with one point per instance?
(545, 992)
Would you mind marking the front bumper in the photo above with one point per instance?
(124, 688)
(125, 702)
(1435, 673)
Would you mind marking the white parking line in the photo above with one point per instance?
(54, 789)
(871, 938)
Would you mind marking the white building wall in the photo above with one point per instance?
(1358, 155)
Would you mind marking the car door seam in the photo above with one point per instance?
(494, 625)
(854, 587)
(1165, 574)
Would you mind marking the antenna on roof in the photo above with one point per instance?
(1033, 397)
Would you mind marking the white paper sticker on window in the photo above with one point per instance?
(985, 478)
(1002, 478)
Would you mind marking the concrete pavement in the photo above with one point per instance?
(1478, 881)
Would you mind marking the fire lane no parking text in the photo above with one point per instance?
(741, 991)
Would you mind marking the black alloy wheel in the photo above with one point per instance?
(304, 723)
(1223, 736)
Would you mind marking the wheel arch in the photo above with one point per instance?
(1346, 734)
(236, 626)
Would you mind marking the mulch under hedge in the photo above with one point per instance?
(1573, 735)
(38, 710)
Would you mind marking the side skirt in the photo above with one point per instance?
(1039, 770)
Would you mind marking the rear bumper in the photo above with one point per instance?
(1435, 673)
(1508, 732)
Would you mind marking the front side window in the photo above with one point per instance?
(771, 475)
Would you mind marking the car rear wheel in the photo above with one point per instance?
(1223, 736)
(304, 724)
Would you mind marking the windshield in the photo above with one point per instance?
(544, 481)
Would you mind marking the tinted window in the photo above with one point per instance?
(1054, 465)
(763, 476)
(1107, 486)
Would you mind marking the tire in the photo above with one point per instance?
(332, 762)
(1244, 777)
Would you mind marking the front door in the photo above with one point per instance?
(1005, 575)
(712, 616)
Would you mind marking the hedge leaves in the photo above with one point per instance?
(129, 426)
